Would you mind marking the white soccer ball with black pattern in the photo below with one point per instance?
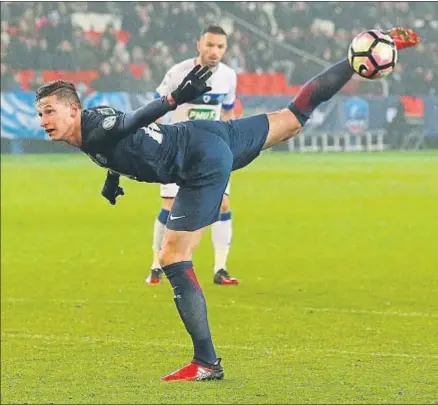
(372, 54)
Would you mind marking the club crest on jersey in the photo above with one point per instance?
(210, 99)
(108, 122)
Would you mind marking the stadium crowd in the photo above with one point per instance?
(42, 35)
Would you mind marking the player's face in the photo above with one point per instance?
(57, 117)
(211, 48)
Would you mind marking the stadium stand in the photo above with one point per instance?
(126, 46)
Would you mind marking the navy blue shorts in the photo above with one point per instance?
(213, 149)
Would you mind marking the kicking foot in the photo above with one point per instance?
(403, 37)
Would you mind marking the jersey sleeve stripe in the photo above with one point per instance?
(228, 106)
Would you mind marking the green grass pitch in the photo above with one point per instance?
(337, 256)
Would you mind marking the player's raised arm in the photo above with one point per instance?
(192, 86)
(147, 114)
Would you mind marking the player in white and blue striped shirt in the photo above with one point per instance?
(215, 105)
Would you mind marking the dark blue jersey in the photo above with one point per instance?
(133, 145)
(114, 141)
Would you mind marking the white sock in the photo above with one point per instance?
(221, 233)
(156, 260)
(159, 229)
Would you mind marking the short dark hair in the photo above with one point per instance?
(63, 90)
(214, 29)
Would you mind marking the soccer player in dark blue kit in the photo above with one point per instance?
(197, 155)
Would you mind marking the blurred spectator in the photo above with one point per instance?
(120, 76)
(144, 83)
(36, 81)
(105, 82)
(9, 81)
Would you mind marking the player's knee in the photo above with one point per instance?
(169, 254)
(283, 125)
(165, 258)
(167, 203)
(173, 251)
(225, 205)
(178, 246)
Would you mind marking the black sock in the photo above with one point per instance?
(192, 309)
(319, 89)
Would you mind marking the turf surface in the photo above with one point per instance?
(337, 256)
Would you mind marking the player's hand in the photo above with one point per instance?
(111, 189)
(193, 85)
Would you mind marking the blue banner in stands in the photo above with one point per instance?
(19, 118)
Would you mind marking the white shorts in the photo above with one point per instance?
(170, 190)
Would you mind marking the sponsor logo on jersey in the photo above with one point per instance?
(201, 114)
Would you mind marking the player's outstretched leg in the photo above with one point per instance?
(287, 123)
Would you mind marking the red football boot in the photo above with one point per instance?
(154, 277)
(223, 278)
(403, 37)
(197, 372)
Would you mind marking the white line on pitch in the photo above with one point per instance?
(371, 312)
(161, 343)
(237, 305)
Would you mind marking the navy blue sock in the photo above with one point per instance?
(225, 216)
(319, 89)
(192, 309)
(163, 216)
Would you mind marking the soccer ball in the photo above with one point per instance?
(372, 54)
